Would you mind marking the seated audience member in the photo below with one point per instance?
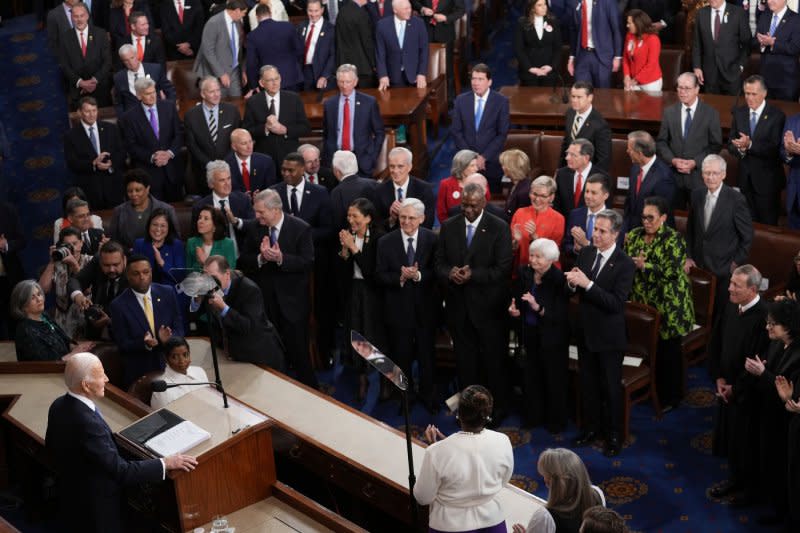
(517, 168)
(161, 246)
(580, 222)
(640, 53)
(659, 252)
(537, 45)
(598, 519)
(401, 185)
(103, 279)
(250, 171)
(38, 338)
(64, 222)
(570, 493)
(401, 49)
(153, 134)
(461, 475)
(145, 316)
(119, 23)
(179, 370)
(80, 218)
(209, 239)
(84, 55)
(649, 176)
(538, 221)
(181, 28)
(96, 156)
(315, 173)
(465, 163)
(133, 69)
(129, 219)
(66, 260)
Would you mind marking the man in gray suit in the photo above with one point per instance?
(721, 46)
(690, 131)
(59, 20)
(719, 229)
(220, 53)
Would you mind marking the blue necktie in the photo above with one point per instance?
(688, 123)
(478, 113)
(596, 267)
(401, 32)
(753, 122)
(273, 235)
(410, 252)
(774, 25)
(590, 227)
(470, 234)
(233, 46)
(93, 140)
(399, 194)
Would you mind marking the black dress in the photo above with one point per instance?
(533, 52)
(793, 464)
(40, 340)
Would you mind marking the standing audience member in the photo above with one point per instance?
(71, 193)
(250, 171)
(276, 43)
(581, 220)
(84, 56)
(133, 69)
(465, 164)
(720, 51)
(571, 180)
(391, 194)
(690, 130)
(319, 48)
(401, 49)
(79, 217)
(149, 49)
(649, 176)
(161, 246)
(355, 42)
(756, 138)
(209, 239)
(351, 186)
(182, 28)
(315, 173)
(538, 221)
(516, 167)
(276, 9)
(440, 20)
(179, 370)
(462, 474)
(595, 49)
(129, 219)
(659, 253)
(790, 148)
(59, 21)
(119, 19)
(583, 121)
(220, 53)
(778, 38)
(640, 54)
(602, 277)
(537, 45)
(788, 392)
(234, 206)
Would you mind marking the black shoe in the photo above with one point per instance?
(613, 447)
(586, 438)
(723, 490)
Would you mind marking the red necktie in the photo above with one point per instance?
(578, 190)
(639, 181)
(180, 11)
(584, 25)
(312, 178)
(346, 125)
(127, 24)
(83, 45)
(380, 7)
(434, 6)
(245, 176)
(139, 49)
(308, 43)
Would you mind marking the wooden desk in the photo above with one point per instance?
(625, 111)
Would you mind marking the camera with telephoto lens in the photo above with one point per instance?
(93, 313)
(62, 252)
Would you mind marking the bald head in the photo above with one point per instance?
(242, 143)
(479, 180)
(402, 9)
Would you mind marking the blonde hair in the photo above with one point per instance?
(516, 163)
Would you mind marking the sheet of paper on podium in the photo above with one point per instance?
(178, 439)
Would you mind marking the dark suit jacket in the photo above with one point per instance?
(117, 27)
(349, 189)
(705, 137)
(91, 276)
(520, 196)
(323, 60)
(129, 326)
(728, 237)
(594, 129)
(375, 14)
(198, 138)
(153, 50)
(414, 304)
(779, 65)
(657, 182)
(355, 42)
(533, 52)
(79, 154)
(315, 210)
(95, 236)
(605, 30)
(96, 64)
(367, 129)
(11, 228)
(89, 468)
(238, 202)
(793, 182)
(442, 32)
(602, 308)
(484, 298)
(262, 172)
(422, 191)
(142, 142)
(760, 167)
(490, 137)
(325, 178)
(275, 43)
(127, 100)
(57, 23)
(401, 65)
(284, 286)
(577, 218)
(722, 60)
(564, 201)
(291, 114)
(552, 327)
(174, 32)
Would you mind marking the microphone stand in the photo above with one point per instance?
(210, 316)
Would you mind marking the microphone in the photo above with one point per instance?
(159, 385)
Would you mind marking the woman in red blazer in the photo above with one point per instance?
(640, 53)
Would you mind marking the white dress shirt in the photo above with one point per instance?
(194, 374)
(95, 133)
(312, 46)
(133, 76)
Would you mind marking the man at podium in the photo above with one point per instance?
(90, 470)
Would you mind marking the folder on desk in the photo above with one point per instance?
(165, 433)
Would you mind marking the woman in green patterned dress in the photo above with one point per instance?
(659, 253)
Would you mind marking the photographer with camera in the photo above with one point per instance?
(103, 277)
(66, 260)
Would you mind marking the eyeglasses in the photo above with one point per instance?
(684, 89)
(771, 324)
(649, 218)
(542, 196)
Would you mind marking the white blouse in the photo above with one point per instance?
(194, 374)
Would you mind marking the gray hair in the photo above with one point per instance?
(125, 49)
(79, 369)
(585, 145)
(416, 204)
(212, 167)
(20, 296)
(345, 162)
(347, 67)
(399, 150)
(473, 189)
(398, 2)
(270, 198)
(548, 248)
(643, 143)
(714, 158)
(613, 217)
(477, 179)
(545, 181)
(265, 68)
(306, 147)
(74, 204)
(751, 273)
(142, 84)
(206, 80)
(461, 161)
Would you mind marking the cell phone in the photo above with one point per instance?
(106, 159)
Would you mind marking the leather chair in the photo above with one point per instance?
(437, 82)
(183, 77)
(140, 389)
(693, 344)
